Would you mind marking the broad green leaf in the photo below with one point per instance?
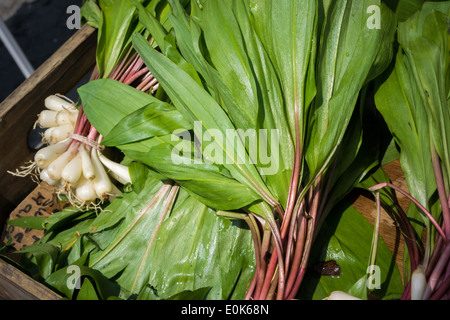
(29, 222)
(106, 96)
(210, 251)
(398, 101)
(352, 51)
(210, 183)
(360, 153)
(244, 77)
(68, 234)
(406, 8)
(424, 39)
(60, 279)
(146, 222)
(44, 256)
(66, 217)
(91, 12)
(130, 240)
(288, 31)
(156, 119)
(87, 291)
(226, 50)
(198, 106)
(163, 38)
(118, 22)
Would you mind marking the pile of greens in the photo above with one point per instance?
(266, 117)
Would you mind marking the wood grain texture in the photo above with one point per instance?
(15, 285)
(18, 112)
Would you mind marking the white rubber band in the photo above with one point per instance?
(87, 141)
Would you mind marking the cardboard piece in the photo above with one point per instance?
(41, 202)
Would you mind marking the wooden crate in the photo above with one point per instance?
(19, 197)
(18, 113)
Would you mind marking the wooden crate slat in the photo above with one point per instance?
(15, 285)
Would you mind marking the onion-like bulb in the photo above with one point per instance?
(118, 171)
(86, 162)
(102, 183)
(48, 154)
(418, 284)
(46, 178)
(73, 170)
(57, 103)
(339, 295)
(85, 191)
(56, 167)
(56, 134)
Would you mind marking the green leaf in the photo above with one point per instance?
(156, 119)
(98, 287)
(210, 183)
(243, 80)
(45, 257)
(350, 55)
(149, 223)
(210, 251)
(87, 291)
(398, 101)
(198, 106)
(424, 39)
(164, 39)
(288, 31)
(91, 12)
(29, 222)
(199, 294)
(360, 152)
(106, 96)
(406, 8)
(118, 22)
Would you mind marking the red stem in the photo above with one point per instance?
(135, 76)
(407, 293)
(309, 239)
(299, 246)
(129, 69)
(442, 290)
(441, 191)
(437, 271)
(409, 236)
(417, 203)
(297, 217)
(264, 250)
(269, 275)
(251, 289)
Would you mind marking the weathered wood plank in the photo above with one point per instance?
(15, 285)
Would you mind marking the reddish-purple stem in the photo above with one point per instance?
(417, 203)
(437, 271)
(441, 191)
(136, 76)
